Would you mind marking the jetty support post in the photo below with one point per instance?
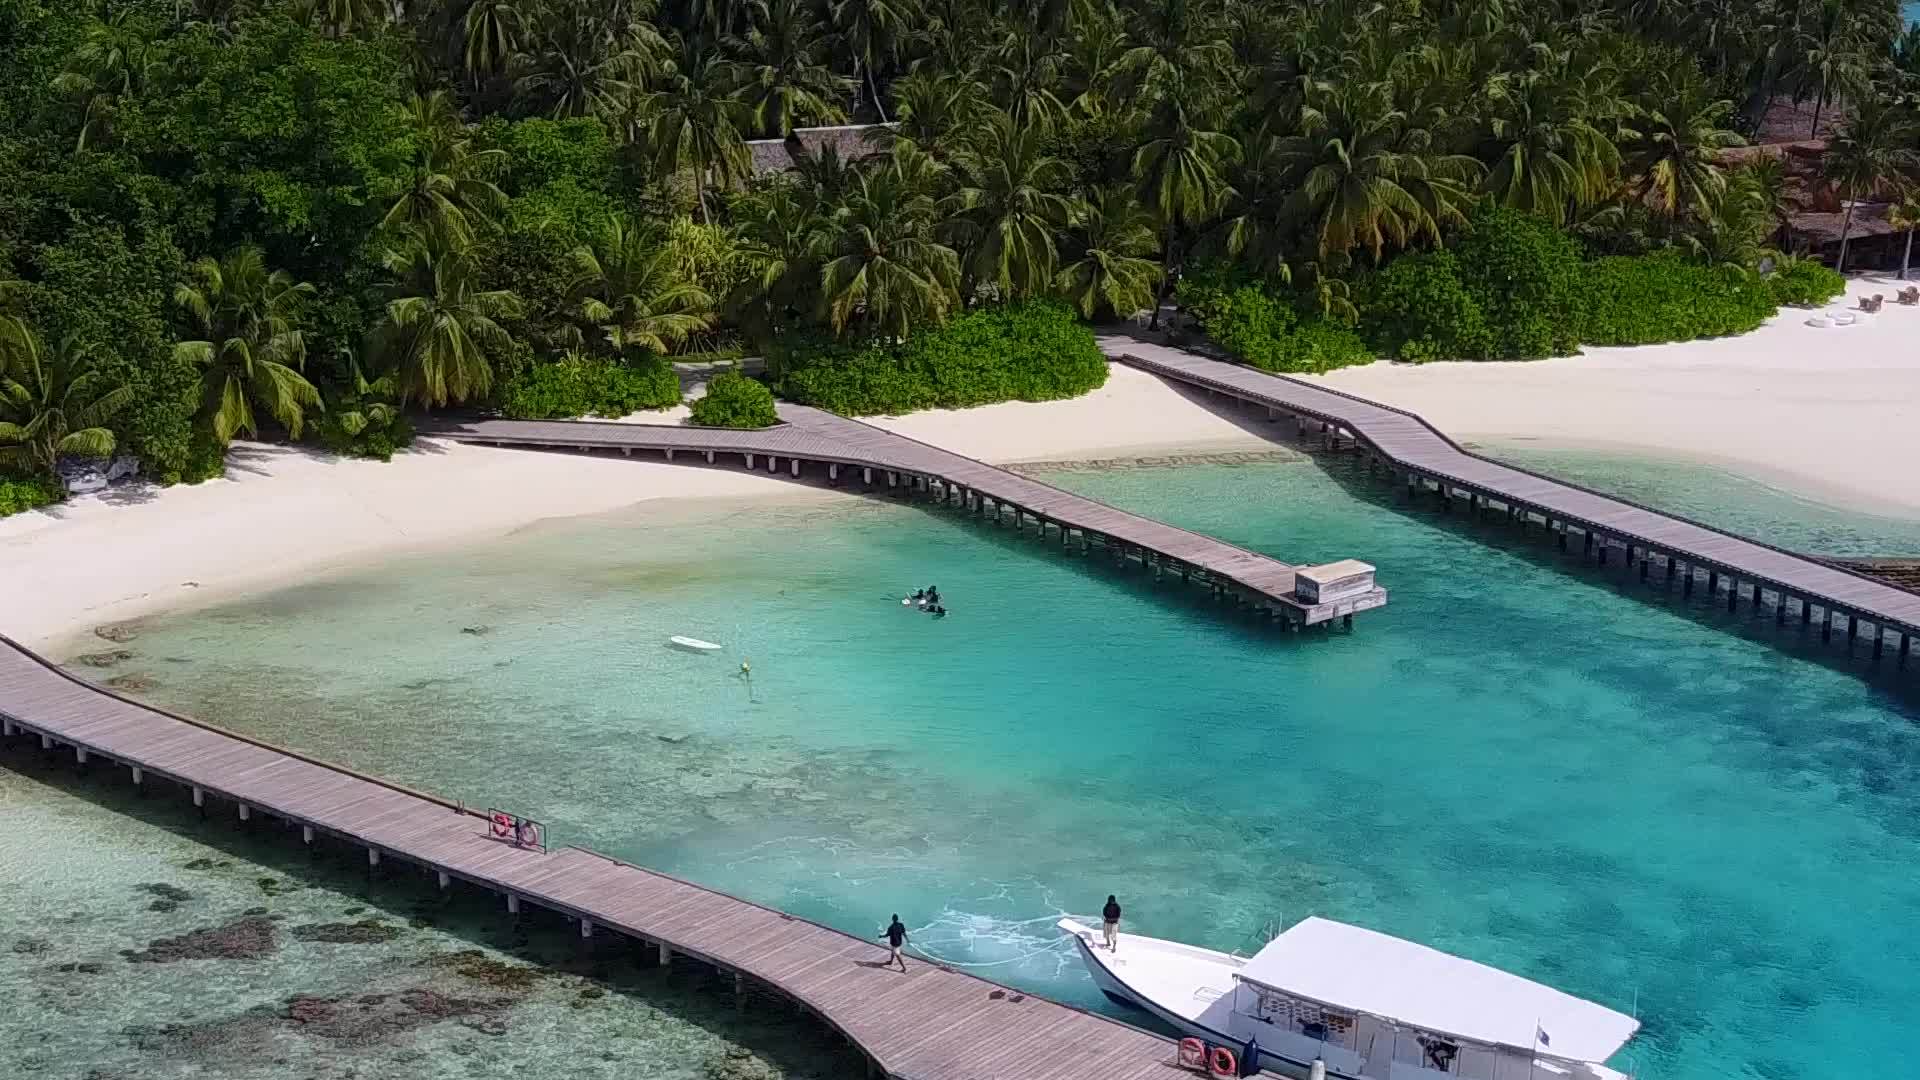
(442, 878)
(6, 728)
(664, 954)
(513, 903)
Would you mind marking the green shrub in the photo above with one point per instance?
(1417, 310)
(1803, 282)
(17, 495)
(851, 381)
(735, 401)
(1034, 351)
(1524, 274)
(1646, 299)
(1267, 331)
(589, 386)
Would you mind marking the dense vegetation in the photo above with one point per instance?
(589, 386)
(735, 401)
(1029, 351)
(304, 218)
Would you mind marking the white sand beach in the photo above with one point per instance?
(1829, 412)
(1833, 412)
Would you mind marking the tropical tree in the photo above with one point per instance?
(781, 242)
(871, 31)
(448, 187)
(1905, 216)
(492, 31)
(784, 80)
(113, 61)
(884, 269)
(629, 284)
(693, 122)
(1009, 206)
(584, 58)
(1672, 146)
(934, 108)
(52, 403)
(1872, 152)
(1368, 177)
(344, 18)
(1177, 170)
(1110, 271)
(1547, 151)
(439, 333)
(252, 350)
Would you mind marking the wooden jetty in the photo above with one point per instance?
(1423, 459)
(933, 1023)
(809, 441)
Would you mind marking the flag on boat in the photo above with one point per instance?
(1541, 1034)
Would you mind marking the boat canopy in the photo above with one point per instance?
(1350, 968)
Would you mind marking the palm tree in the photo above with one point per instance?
(1110, 271)
(1548, 154)
(694, 122)
(884, 268)
(1832, 57)
(1674, 143)
(52, 404)
(933, 108)
(1023, 74)
(440, 332)
(870, 31)
(1872, 151)
(252, 350)
(1177, 171)
(493, 31)
(582, 59)
(629, 284)
(113, 61)
(448, 189)
(784, 78)
(1009, 206)
(342, 18)
(1766, 179)
(1905, 216)
(1368, 177)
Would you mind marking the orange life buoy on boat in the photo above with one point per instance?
(1223, 1063)
(1193, 1053)
(502, 824)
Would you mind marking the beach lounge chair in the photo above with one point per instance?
(1871, 303)
(1909, 295)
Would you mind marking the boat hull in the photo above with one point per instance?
(1117, 991)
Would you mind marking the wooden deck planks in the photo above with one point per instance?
(1410, 442)
(820, 436)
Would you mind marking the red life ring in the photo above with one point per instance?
(502, 824)
(1223, 1063)
(1193, 1053)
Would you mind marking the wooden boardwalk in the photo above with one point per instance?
(1424, 458)
(932, 1023)
(810, 437)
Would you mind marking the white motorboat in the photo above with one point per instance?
(694, 644)
(1366, 1005)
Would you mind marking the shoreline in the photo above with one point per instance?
(1831, 414)
(284, 514)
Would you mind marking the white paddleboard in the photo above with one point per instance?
(693, 643)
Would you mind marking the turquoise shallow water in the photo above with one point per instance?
(324, 975)
(1638, 802)
(1724, 498)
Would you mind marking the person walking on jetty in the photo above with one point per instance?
(1110, 922)
(896, 935)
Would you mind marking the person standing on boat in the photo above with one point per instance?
(1110, 922)
(896, 935)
